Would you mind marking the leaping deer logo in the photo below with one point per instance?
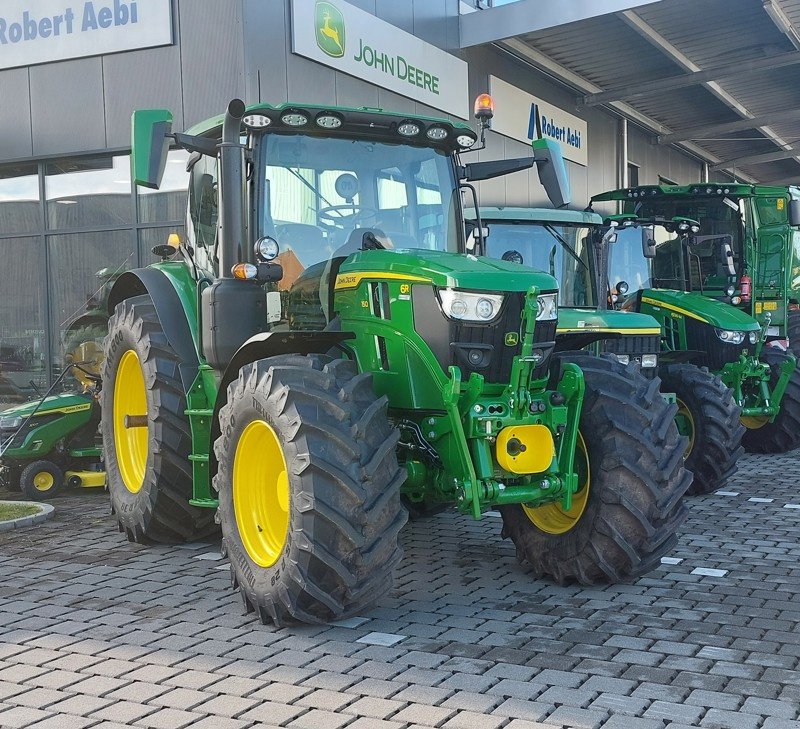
(330, 29)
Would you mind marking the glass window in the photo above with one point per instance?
(23, 322)
(84, 192)
(627, 262)
(169, 201)
(151, 237)
(83, 267)
(19, 199)
(772, 210)
(203, 212)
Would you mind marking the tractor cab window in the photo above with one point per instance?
(203, 213)
(563, 251)
(628, 263)
(324, 199)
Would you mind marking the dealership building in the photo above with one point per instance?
(631, 93)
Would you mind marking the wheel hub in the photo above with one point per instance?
(130, 407)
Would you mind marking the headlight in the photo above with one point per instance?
(731, 290)
(753, 337)
(649, 360)
(547, 307)
(623, 358)
(470, 306)
(730, 337)
(10, 422)
(267, 248)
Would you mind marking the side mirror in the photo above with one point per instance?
(794, 212)
(149, 144)
(648, 243)
(552, 171)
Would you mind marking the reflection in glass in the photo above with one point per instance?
(19, 199)
(83, 267)
(169, 201)
(87, 191)
(150, 237)
(23, 341)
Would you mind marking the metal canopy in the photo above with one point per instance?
(719, 78)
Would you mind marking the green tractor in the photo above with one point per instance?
(748, 256)
(407, 369)
(574, 246)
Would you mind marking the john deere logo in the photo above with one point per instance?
(329, 22)
(512, 339)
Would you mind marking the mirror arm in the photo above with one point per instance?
(191, 143)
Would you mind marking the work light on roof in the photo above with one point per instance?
(408, 129)
(256, 121)
(294, 118)
(465, 141)
(328, 120)
(436, 133)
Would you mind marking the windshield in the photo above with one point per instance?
(563, 251)
(720, 227)
(628, 263)
(322, 195)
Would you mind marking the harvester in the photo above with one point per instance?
(317, 346)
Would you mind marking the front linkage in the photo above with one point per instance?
(516, 446)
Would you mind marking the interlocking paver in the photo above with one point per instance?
(319, 719)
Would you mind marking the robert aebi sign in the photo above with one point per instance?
(356, 42)
(50, 30)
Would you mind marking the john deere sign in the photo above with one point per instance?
(357, 43)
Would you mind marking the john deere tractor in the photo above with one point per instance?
(575, 247)
(317, 346)
(748, 256)
(701, 333)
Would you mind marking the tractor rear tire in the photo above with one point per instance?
(793, 332)
(636, 481)
(715, 442)
(41, 480)
(154, 509)
(782, 434)
(315, 538)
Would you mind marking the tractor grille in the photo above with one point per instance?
(475, 347)
(701, 337)
(632, 344)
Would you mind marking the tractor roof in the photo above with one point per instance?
(364, 122)
(705, 189)
(538, 215)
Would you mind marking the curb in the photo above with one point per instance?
(46, 512)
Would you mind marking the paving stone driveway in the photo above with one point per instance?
(96, 632)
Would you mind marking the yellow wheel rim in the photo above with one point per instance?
(552, 518)
(261, 493)
(43, 481)
(685, 423)
(131, 444)
(754, 422)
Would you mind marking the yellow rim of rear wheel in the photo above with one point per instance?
(130, 444)
(683, 411)
(552, 518)
(754, 422)
(261, 493)
(43, 481)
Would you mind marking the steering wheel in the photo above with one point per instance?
(357, 213)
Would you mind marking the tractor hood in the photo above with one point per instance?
(451, 270)
(64, 403)
(584, 321)
(699, 307)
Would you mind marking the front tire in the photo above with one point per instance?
(782, 434)
(709, 416)
(149, 474)
(309, 489)
(793, 332)
(630, 464)
(41, 480)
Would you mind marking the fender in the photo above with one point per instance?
(264, 345)
(171, 309)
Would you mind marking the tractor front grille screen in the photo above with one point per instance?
(701, 337)
(480, 348)
(632, 344)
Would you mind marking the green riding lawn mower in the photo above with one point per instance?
(329, 348)
(748, 256)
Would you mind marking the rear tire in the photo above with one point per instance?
(159, 510)
(41, 480)
(793, 332)
(783, 433)
(636, 481)
(715, 444)
(330, 547)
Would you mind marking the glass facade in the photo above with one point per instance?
(68, 228)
